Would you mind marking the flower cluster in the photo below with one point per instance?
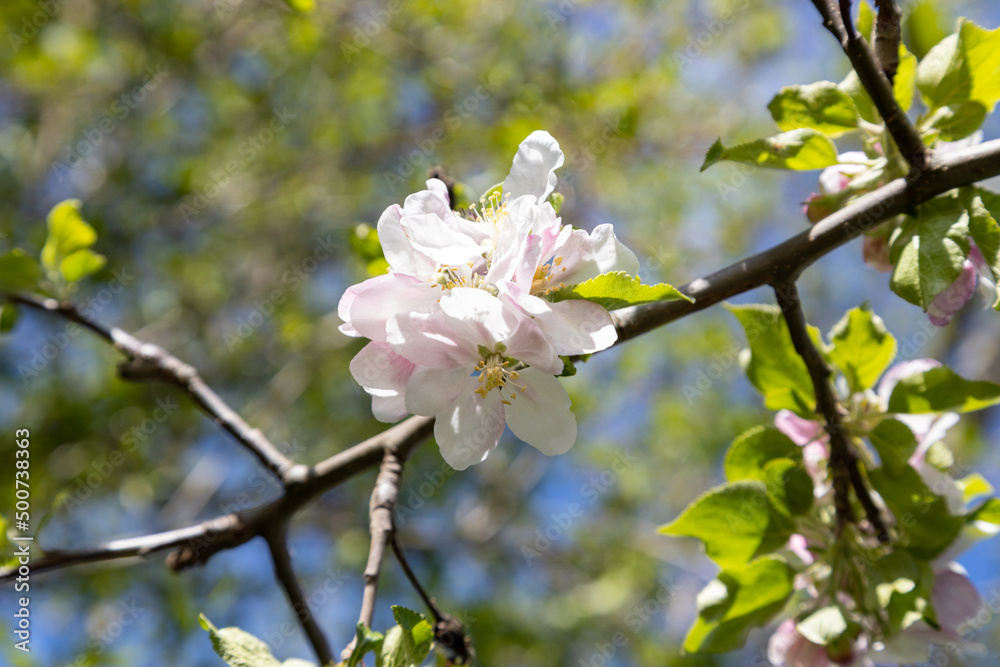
(460, 326)
(953, 596)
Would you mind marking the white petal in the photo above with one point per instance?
(469, 429)
(900, 371)
(476, 316)
(433, 237)
(385, 296)
(604, 253)
(432, 200)
(389, 409)
(428, 339)
(540, 415)
(430, 391)
(398, 250)
(533, 170)
(577, 327)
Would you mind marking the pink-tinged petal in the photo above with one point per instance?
(383, 297)
(900, 371)
(950, 301)
(398, 250)
(528, 343)
(526, 263)
(941, 484)
(817, 207)
(430, 391)
(875, 252)
(428, 339)
(601, 252)
(540, 415)
(533, 170)
(469, 429)
(799, 430)
(928, 429)
(376, 366)
(955, 599)
(799, 546)
(787, 648)
(344, 309)
(389, 409)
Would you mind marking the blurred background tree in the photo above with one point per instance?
(218, 144)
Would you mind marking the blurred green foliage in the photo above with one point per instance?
(226, 152)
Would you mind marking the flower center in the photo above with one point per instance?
(494, 373)
(541, 283)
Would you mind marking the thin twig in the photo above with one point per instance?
(843, 460)
(382, 510)
(428, 600)
(278, 544)
(874, 80)
(148, 362)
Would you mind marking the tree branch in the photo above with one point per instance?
(148, 362)
(843, 459)
(283, 572)
(382, 510)
(790, 257)
(887, 37)
(838, 21)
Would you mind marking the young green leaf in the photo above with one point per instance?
(736, 523)
(988, 512)
(800, 149)
(942, 390)
(904, 85)
(866, 20)
(774, 367)
(957, 121)
(738, 600)
(984, 211)
(862, 348)
(617, 290)
(930, 250)
(895, 444)
(823, 626)
(19, 271)
(962, 67)
(789, 487)
(8, 317)
(66, 250)
(923, 516)
(753, 449)
(366, 641)
(407, 644)
(239, 648)
(902, 585)
(821, 106)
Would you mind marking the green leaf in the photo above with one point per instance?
(407, 644)
(957, 121)
(366, 641)
(904, 85)
(862, 348)
(67, 233)
(774, 367)
(922, 515)
(736, 523)
(737, 601)
(988, 511)
(8, 317)
(974, 485)
(800, 149)
(618, 289)
(238, 648)
(19, 271)
(895, 444)
(930, 250)
(862, 102)
(902, 585)
(962, 67)
(942, 390)
(821, 106)
(789, 487)
(866, 20)
(753, 449)
(984, 211)
(81, 264)
(302, 6)
(923, 28)
(823, 626)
